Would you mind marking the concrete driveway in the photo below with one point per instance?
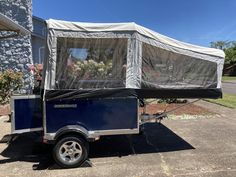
(229, 87)
(196, 147)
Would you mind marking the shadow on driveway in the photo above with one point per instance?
(155, 138)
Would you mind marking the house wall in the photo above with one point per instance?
(38, 39)
(16, 53)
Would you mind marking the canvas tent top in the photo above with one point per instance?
(112, 58)
(131, 26)
(7, 24)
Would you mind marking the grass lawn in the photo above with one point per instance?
(228, 100)
(229, 78)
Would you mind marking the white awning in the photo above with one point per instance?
(7, 24)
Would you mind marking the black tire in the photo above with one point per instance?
(65, 161)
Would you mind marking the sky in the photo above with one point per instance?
(194, 21)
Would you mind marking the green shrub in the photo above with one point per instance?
(9, 82)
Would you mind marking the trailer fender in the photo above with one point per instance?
(73, 129)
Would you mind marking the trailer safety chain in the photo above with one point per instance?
(160, 116)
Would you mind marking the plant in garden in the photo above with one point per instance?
(36, 69)
(9, 81)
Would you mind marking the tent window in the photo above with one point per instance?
(91, 63)
(165, 69)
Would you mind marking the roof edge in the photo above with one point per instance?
(13, 26)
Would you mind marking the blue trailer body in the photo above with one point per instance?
(93, 115)
(26, 113)
(104, 116)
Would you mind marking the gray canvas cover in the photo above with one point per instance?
(104, 56)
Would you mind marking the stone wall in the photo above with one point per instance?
(16, 53)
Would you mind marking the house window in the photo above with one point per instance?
(41, 54)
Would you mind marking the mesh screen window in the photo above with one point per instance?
(91, 63)
(165, 69)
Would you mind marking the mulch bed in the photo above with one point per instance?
(189, 109)
(5, 110)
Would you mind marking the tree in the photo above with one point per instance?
(219, 44)
(229, 47)
(230, 55)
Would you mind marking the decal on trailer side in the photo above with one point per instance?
(65, 106)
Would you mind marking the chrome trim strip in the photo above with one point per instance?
(49, 136)
(24, 96)
(98, 133)
(138, 115)
(12, 106)
(27, 130)
(44, 117)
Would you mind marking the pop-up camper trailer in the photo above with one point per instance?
(126, 58)
(96, 73)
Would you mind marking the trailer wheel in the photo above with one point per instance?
(70, 151)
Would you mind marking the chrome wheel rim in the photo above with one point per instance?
(70, 151)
